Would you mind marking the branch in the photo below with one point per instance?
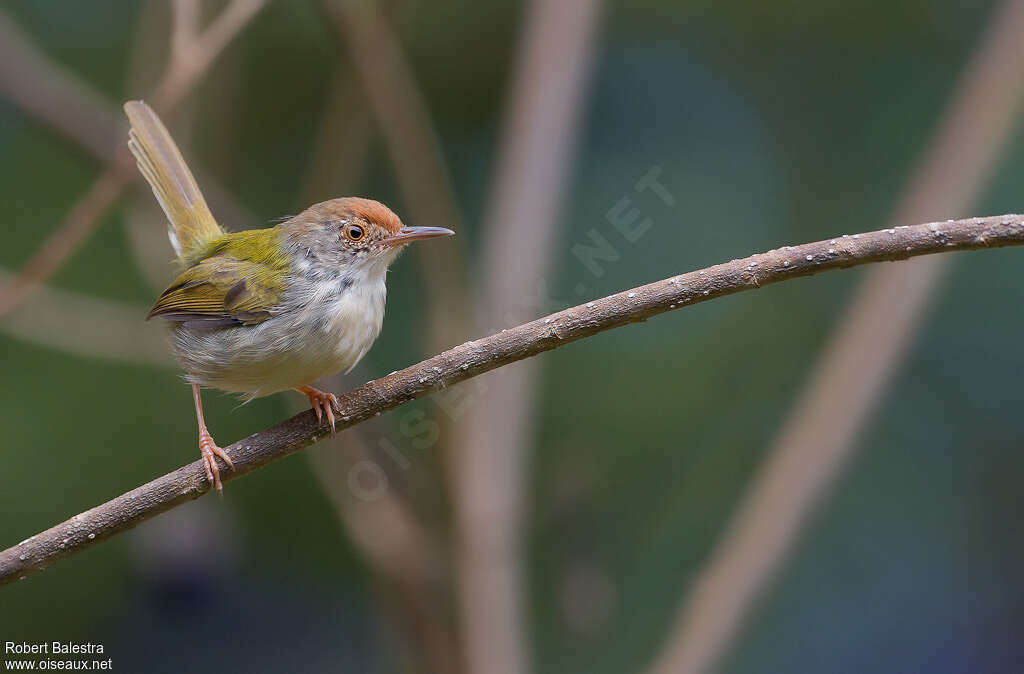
(477, 357)
(520, 234)
(819, 436)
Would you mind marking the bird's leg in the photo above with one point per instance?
(208, 447)
(322, 402)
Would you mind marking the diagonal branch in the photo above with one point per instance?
(508, 346)
(819, 436)
(489, 469)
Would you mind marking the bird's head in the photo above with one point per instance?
(351, 235)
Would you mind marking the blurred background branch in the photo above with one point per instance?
(52, 95)
(87, 326)
(536, 147)
(344, 137)
(374, 89)
(405, 557)
(385, 523)
(194, 51)
(401, 114)
(857, 362)
(85, 215)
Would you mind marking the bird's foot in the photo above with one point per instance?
(210, 452)
(323, 403)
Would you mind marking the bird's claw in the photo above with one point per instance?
(323, 404)
(210, 452)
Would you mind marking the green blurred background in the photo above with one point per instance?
(772, 123)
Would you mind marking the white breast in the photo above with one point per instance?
(355, 319)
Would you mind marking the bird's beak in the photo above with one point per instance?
(409, 234)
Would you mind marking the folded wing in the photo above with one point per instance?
(222, 291)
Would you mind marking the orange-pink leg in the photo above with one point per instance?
(208, 447)
(323, 403)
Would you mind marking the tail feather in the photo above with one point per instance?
(191, 224)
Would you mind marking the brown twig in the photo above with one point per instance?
(477, 357)
(177, 81)
(488, 467)
(818, 437)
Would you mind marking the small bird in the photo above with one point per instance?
(266, 310)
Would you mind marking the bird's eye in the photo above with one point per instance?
(354, 232)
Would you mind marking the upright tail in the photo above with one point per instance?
(190, 222)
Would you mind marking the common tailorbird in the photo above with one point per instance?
(266, 310)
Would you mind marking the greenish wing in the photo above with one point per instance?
(222, 291)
